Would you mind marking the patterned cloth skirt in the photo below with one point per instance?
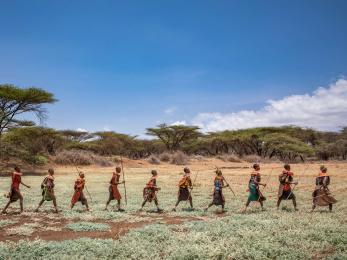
(79, 196)
(218, 197)
(48, 194)
(254, 194)
(149, 194)
(287, 195)
(14, 195)
(323, 198)
(183, 194)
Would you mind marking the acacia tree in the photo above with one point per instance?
(15, 101)
(174, 135)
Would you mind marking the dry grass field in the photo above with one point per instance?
(185, 234)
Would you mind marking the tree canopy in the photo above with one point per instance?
(173, 136)
(15, 101)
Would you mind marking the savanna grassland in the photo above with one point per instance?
(185, 234)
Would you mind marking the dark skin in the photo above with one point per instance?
(187, 171)
(257, 168)
(118, 170)
(211, 204)
(51, 173)
(20, 197)
(287, 167)
(86, 202)
(330, 205)
(155, 199)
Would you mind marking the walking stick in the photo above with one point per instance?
(267, 180)
(91, 199)
(125, 189)
(229, 187)
(226, 182)
(291, 192)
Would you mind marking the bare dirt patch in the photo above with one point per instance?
(57, 230)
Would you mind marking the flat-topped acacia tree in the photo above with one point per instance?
(15, 101)
(174, 135)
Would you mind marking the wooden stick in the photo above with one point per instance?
(125, 189)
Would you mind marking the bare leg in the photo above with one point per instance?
(262, 205)
(55, 205)
(86, 204)
(21, 203)
(209, 206)
(40, 204)
(279, 202)
(246, 206)
(191, 202)
(330, 207)
(107, 203)
(294, 203)
(157, 204)
(118, 206)
(143, 204)
(7, 205)
(178, 202)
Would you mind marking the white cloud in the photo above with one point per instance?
(81, 130)
(179, 123)
(324, 109)
(170, 110)
(106, 129)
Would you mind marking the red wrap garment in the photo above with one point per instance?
(78, 195)
(16, 181)
(114, 192)
(286, 186)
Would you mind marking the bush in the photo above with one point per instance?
(229, 158)
(198, 157)
(87, 226)
(153, 160)
(179, 158)
(75, 157)
(165, 157)
(258, 159)
(252, 158)
(39, 160)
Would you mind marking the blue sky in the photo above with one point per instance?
(128, 65)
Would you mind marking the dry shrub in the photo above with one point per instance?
(179, 158)
(77, 157)
(153, 159)
(198, 157)
(165, 157)
(258, 159)
(252, 158)
(229, 158)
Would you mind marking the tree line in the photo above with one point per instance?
(24, 140)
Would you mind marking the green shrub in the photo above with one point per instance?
(87, 226)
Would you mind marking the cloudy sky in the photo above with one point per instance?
(128, 65)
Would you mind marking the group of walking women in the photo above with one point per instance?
(321, 195)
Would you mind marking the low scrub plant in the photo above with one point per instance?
(78, 157)
(153, 159)
(179, 158)
(87, 226)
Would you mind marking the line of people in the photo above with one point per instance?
(321, 195)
